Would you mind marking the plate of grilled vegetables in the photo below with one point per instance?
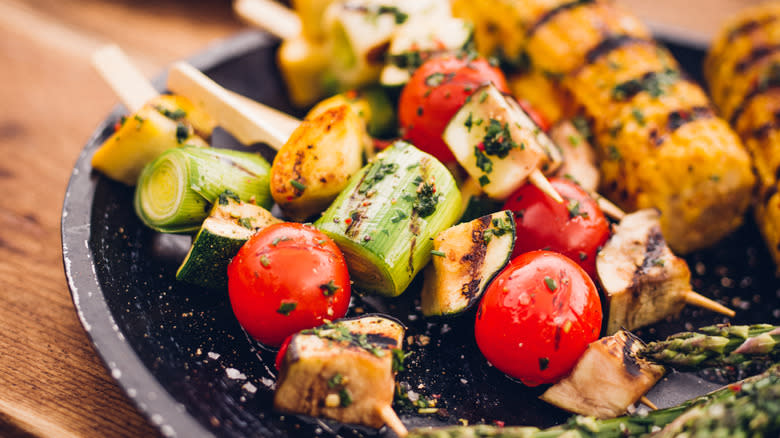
(440, 219)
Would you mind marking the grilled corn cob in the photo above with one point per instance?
(658, 140)
(743, 72)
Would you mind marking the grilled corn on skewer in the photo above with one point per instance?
(743, 72)
(658, 140)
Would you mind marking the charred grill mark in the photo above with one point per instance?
(654, 251)
(757, 55)
(630, 362)
(652, 82)
(475, 258)
(549, 15)
(610, 43)
(412, 245)
(763, 131)
(678, 118)
(749, 27)
(765, 83)
(300, 155)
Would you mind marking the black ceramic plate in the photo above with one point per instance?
(179, 354)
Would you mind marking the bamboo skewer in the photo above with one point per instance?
(694, 299)
(646, 401)
(230, 112)
(128, 83)
(538, 179)
(270, 16)
(392, 421)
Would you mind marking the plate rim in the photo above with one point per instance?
(140, 386)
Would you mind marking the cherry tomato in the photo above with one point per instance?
(537, 317)
(536, 116)
(286, 278)
(433, 95)
(576, 228)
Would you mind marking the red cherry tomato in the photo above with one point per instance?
(537, 317)
(536, 116)
(576, 228)
(433, 95)
(286, 278)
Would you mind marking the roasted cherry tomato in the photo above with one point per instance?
(576, 228)
(286, 278)
(537, 317)
(435, 93)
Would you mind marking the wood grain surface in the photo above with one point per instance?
(52, 383)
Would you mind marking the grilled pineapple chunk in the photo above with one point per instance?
(165, 122)
(342, 371)
(643, 281)
(315, 164)
(608, 378)
(497, 143)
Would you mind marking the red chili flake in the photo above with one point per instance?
(735, 387)
(499, 423)
(348, 220)
(481, 146)
(366, 203)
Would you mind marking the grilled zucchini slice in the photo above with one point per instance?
(466, 258)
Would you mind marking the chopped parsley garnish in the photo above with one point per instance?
(640, 118)
(438, 253)
(583, 256)
(658, 262)
(574, 140)
(264, 261)
(336, 380)
(469, 122)
(399, 15)
(484, 180)
(297, 184)
(574, 209)
(376, 173)
(551, 284)
(175, 115)
(544, 362)
(613, 153)
(225, 196)
(286, 307)
(345, 397)
(283, 239)
(398, 359)
(483, 97)
(483, 162)
(246, 223)
(498, 141)
(182, 132)
(329, 288)
(340, 333)
(426, 201)
(398, 216)
(500, 227)
(438, 78)
(582, 126)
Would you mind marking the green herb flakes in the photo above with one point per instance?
(544, 362)
(329, 288)
(438, 253)
(551, 284)
(297, 184)
(286, 307)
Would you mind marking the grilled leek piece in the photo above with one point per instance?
(344, 371)
(607, 379)
(385, 220)
(743, 72)
(165, 122)
(316, 162)
(657, 138)
(643, 281)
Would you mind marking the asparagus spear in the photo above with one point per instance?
(717, 346)
(747, 408)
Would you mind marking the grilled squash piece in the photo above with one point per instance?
(743, 72)
(317, 161)
(165, 122)
(342, 370)
(608, 378)
(466, 258)
(229, 225)
(658, 141)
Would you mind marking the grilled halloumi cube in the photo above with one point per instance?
(342, 370)
(643, 280)
(608, 378)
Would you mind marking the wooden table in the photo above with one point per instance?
(51, 380)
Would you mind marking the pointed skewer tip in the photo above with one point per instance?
(538, 179)
(646, 401)
(388, 415)
(699, 300)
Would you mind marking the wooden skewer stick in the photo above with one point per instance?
(270, 16)
(538, 179)
(392, 421)
(611, 210)
(129, 84)
(283, 121)
(646, 401)
(699, 300)
(230, 112)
